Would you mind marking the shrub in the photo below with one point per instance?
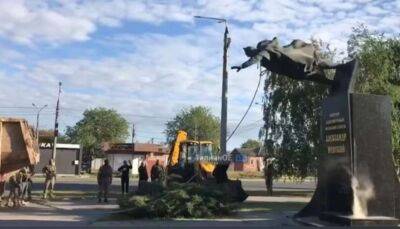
(178, 200)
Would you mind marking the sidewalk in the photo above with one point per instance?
(254, 217)
(90, 213)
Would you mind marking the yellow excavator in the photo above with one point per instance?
(193, 160)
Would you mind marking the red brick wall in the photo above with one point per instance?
(150, 161)
(253, 164)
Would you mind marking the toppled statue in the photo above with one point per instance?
(298, 60)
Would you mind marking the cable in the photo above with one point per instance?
(248, 108)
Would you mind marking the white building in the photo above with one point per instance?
(117, 153)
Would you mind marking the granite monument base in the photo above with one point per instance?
(346, 220)
(356, 133)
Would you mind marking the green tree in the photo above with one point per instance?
(197, 121)
(379, 72)
(47, 137)
(97, 126)
(292, 108)
(291, 117)
(251, 144)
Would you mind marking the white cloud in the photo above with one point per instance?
(165, 74)
(73, 20)
(26, 25)
(151, 76)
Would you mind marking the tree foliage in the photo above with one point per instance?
(291, 116)
(251, 144)
(379, 72)
(189, 200)
(292, 108)
(97, 126)
(198, 122)
(47, 137)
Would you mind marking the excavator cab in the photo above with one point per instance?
(195, 156)
(200, 152)
(189, 158)
(195, 161)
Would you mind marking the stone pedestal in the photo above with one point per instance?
(356, 132)
(346, 220)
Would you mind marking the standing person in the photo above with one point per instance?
(156, 172)
(31, 173)
(23, 186)
(124, 170)
(104, 180)
(2, 186)
(15, 190)
(269, 174)
(50, 173)
(143, 176)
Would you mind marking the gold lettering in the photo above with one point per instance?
(336, 137)
(333, 115)
(334, 121)
(336, 149)
(336, 127)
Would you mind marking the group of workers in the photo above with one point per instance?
(105, 174)
(20, 184)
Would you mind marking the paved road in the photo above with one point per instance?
(90, 184)
(70, 212)
(84, 213)
(259, 184)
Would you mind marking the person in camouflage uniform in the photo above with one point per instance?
(104, 180)
(15, 183)
(50, 173)
(31, 173)
(23, 185)
(269, 174)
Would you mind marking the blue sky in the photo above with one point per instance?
(149, 59)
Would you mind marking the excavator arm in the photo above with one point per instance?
(173, 158)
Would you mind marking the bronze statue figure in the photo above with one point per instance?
(298, 60)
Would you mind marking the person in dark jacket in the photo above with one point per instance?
(156, 172)
(124, 170)
(143, 176)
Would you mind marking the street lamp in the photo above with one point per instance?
(224, 102)
(39, 109)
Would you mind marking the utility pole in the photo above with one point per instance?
(39, 109)
(224, 98)
(224, 103)
(56, 123)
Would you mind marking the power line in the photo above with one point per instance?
(67, 111)
(17, 108)
(248, 108)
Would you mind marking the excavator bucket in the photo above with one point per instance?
(232, 188)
